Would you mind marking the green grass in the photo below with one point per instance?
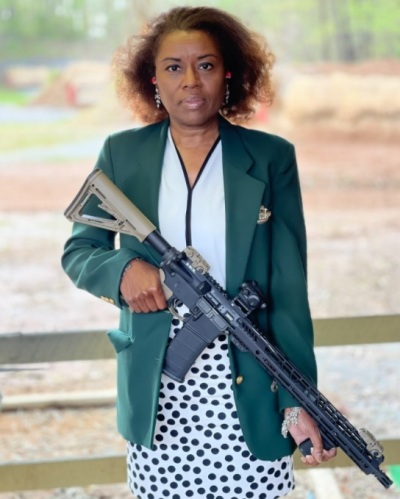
(10, 96)
(16, 136)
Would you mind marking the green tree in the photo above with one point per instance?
(298, 30)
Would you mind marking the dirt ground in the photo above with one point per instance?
(351, 193)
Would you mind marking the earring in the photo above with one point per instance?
(227, 93)
(157, 98)
(228, 76)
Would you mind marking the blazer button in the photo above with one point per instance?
(107, 299)
(239, 379)
(274, 387)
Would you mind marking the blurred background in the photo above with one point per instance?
(337, 87)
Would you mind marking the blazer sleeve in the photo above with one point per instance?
(90, 257)
(290, 321)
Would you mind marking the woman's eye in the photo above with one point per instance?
(173, 67)
(206, 65)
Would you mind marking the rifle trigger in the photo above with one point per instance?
(173, 310)
(167, 292)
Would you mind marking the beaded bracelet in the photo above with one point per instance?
(291, 418)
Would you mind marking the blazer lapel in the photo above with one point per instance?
(140, 175)
(149, 155)
(243, 198)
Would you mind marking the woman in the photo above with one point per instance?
(234, 195)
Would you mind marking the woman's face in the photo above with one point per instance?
(190, 77)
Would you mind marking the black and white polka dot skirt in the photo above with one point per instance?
(199, 447)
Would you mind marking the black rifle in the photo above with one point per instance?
(212, 312)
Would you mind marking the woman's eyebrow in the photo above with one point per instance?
(207, 55)
(178, 59)
(175, 59)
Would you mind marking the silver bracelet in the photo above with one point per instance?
(291, 418)
(129, 265)
(126, 268)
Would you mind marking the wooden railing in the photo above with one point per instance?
(18, 348)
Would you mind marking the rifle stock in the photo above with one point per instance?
(126, 218)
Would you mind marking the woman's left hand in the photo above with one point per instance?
(307, 428)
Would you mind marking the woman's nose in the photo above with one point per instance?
(190, 78)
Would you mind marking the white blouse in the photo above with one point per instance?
(194, 216)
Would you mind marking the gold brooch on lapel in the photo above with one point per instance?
(263, 215)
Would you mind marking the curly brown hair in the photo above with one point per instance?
(245, 54)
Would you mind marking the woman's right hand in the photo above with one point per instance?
(141, 288)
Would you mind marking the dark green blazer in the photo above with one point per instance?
(259, 170)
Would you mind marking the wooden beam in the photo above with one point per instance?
(75, 398)
(33, 348)
(82, 472)
(72, 472)
(357, 330)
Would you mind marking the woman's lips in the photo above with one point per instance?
(193, 102)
